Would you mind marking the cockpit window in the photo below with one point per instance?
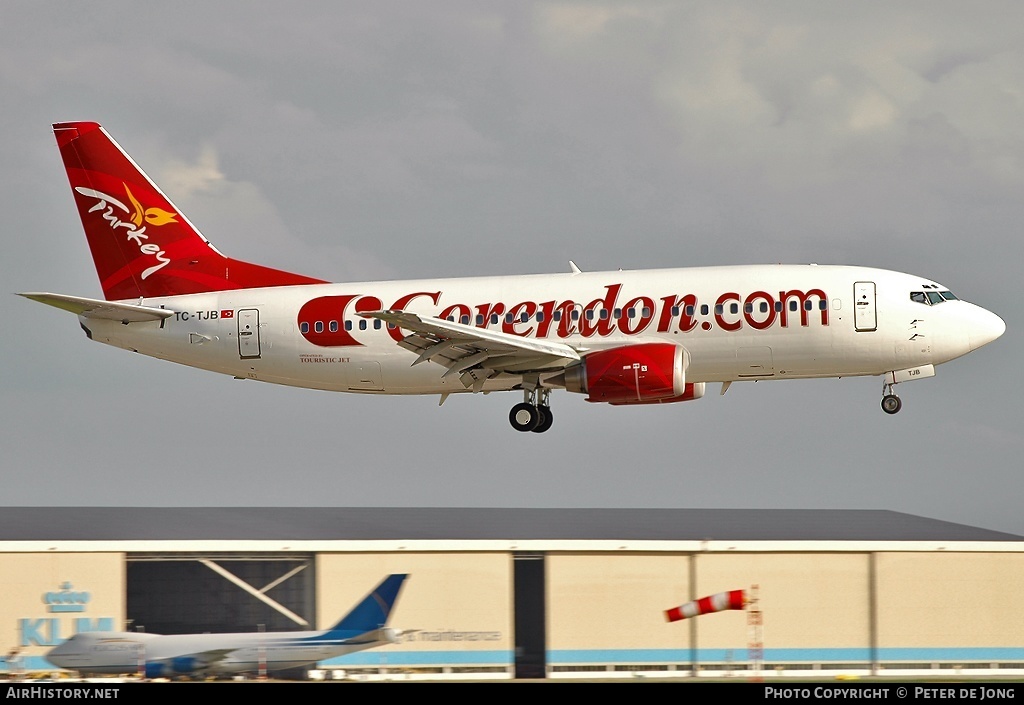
(931, 298)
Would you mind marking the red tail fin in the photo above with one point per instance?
(141, 244)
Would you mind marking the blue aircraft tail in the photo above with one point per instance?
(372, 613)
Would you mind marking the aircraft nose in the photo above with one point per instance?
(985, 327)
(56, 655)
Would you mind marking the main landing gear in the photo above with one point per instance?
(534, 414)
(890, 402)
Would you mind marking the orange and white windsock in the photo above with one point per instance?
(732, 600)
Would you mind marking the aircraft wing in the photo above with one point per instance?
(198, 662)
(94, 308)
(210, 657)
(476, 354)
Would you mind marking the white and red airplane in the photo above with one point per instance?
(624, 338)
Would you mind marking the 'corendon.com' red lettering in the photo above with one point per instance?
(603, 316)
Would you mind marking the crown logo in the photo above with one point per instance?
(67, 600)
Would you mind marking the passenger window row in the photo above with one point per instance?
(589, 314)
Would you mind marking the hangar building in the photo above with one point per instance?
(520, 593)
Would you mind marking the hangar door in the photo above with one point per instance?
(188, 594)
(530, 621)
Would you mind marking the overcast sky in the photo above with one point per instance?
(361, 141)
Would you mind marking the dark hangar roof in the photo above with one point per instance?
(469, 524)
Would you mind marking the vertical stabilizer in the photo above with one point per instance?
(142, 245)
(373, 612)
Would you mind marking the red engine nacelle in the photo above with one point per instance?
(648, 373)
(693, 390)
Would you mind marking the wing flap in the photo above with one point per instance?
(462, 348)
(94, 308)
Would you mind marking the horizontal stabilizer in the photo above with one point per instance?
(93, 308)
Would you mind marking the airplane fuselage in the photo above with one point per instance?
(736, 323)
(111, 653)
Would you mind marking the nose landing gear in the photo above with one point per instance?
(890, 402)
(534, 413)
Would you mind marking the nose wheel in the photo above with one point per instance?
(534, 413)
(890, 402)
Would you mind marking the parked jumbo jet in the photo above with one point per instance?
(161, 655)
(623, 338)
